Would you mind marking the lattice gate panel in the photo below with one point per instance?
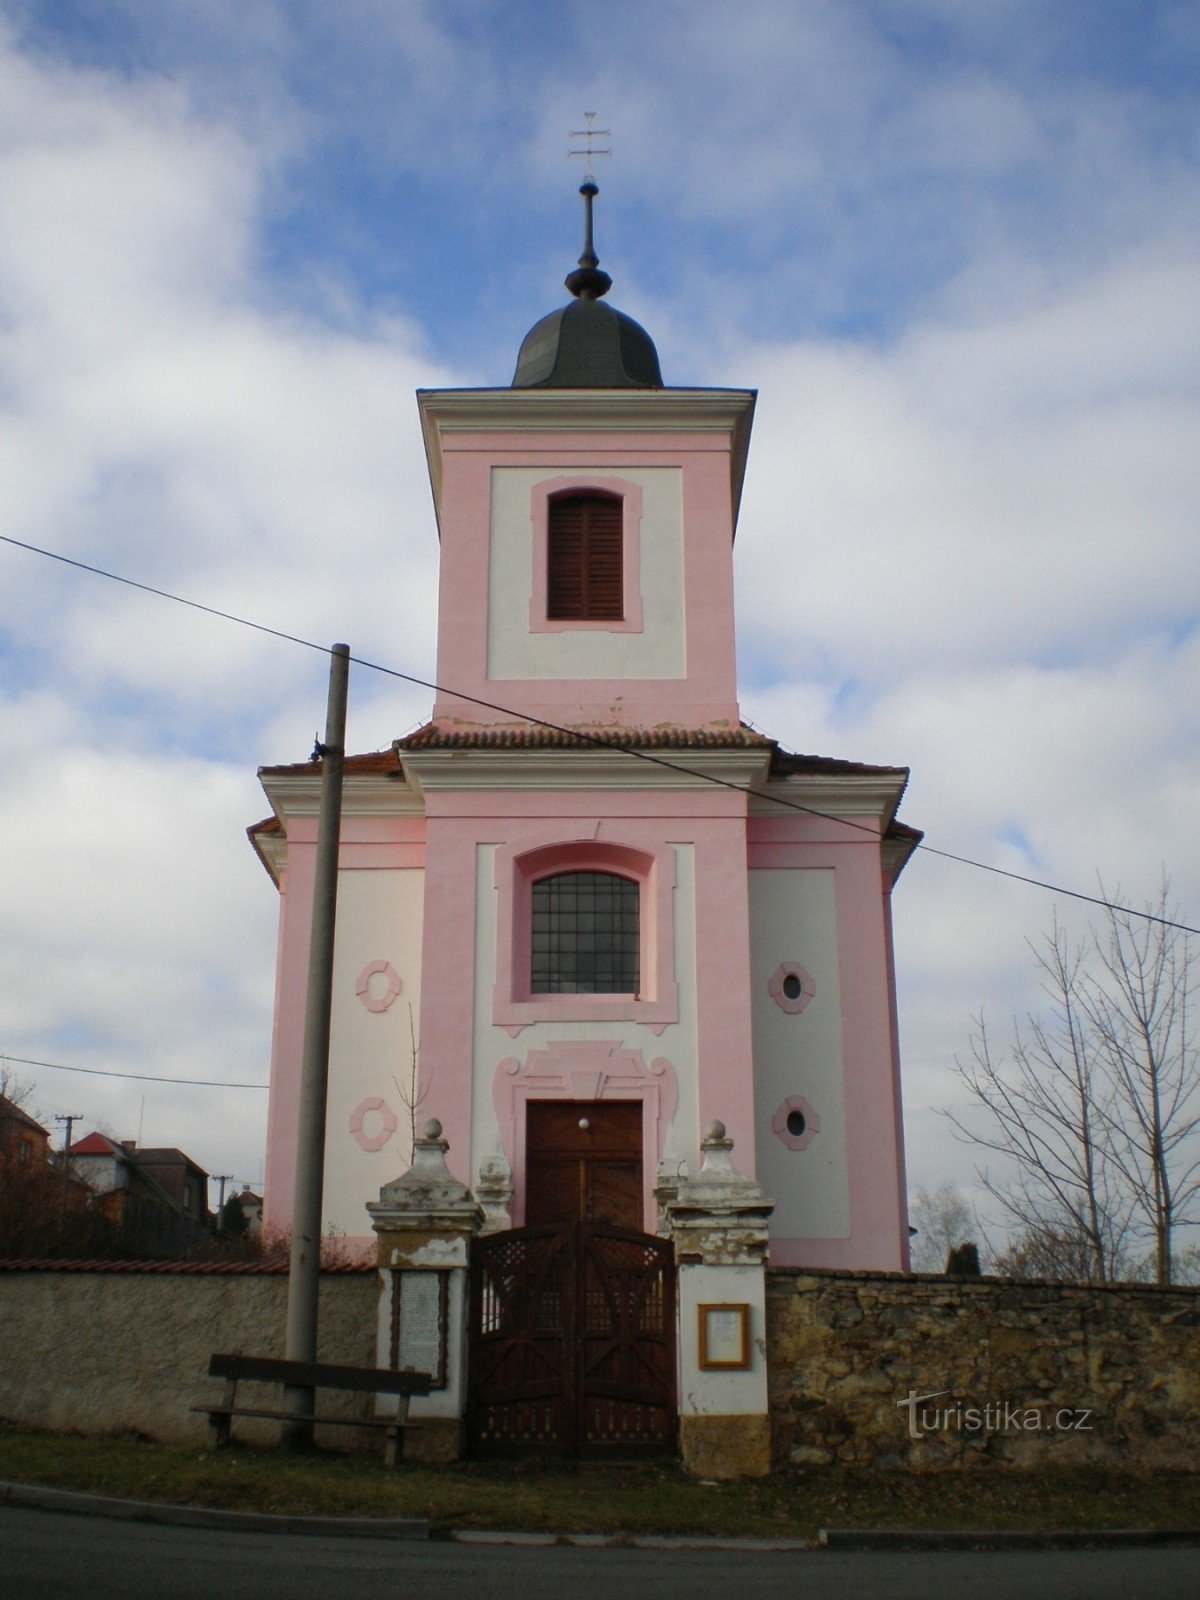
(625, 1344)
(520, 1332)
(572, 1339)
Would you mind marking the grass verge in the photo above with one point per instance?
(587, 1498)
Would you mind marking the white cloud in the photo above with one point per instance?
(135, 935)
(1016, 487)
(986, 531)
(162, 418)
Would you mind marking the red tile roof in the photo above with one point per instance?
(784, 763)
(787, 764)
(10, 1111)
(901, 830)
(99, 1144)
(537, 737)
(374, 761)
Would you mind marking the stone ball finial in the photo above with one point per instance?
(715, 1130)
(433, 1129)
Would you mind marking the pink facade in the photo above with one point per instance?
(765, 995)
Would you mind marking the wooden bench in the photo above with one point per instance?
(236, 1369)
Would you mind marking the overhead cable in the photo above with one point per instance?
(600, 739)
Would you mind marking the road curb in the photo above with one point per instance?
(1002, 1539)
(40, 1497)
(99, 1505)
(625, 1541)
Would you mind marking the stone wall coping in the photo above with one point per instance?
(986, 1282)
(192, 1268)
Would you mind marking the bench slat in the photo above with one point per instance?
(319, 1375)
(290, 1416)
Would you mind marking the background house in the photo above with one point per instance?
(22, 1137)
(155, 1198)
(252, 1210)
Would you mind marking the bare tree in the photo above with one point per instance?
(1185, 1264)
(1055, 1249)
(16, 1090)
(411, 1090)
(1094, 1102)
(943, 1220)
(1045, 1106)
(1139, 1008)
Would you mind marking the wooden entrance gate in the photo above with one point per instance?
(572, 1343)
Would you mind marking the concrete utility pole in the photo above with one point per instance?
(222, 1178)
(304, 1275)
(68, 1123)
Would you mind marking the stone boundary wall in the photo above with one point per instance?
(104, 1348)
(1020, 1363)
(108, 1347)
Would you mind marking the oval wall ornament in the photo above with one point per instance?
(796, 1124)
(372, 1124)
(791, 987)
(378, 995)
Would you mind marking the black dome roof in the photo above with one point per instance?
(586, 345)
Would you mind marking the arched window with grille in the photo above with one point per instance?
(584, 574)
(585, 934)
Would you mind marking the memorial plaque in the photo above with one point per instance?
(421, 1341)
(724, 1336)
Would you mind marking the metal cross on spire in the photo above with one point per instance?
(590, 134)
(587, 282)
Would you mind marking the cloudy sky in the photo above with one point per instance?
(953, 246)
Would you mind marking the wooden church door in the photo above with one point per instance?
(583, 1162)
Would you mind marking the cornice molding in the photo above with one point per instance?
(271, 849)
(896, 854)
(584, 769)
(726, 412)
(839, 795)
(376, 795)
(299, 795)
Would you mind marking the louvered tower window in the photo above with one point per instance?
(584, 580)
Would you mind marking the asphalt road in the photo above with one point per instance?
(53, 1556)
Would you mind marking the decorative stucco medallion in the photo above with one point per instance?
(796, 1124)
(372, 1123)
(374, 995)
(791, 987)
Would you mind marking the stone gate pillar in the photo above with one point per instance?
(424, 1221)
(718, 1221)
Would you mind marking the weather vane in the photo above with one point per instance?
(591, 133)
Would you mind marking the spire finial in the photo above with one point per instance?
(587, 282)
(590, 134)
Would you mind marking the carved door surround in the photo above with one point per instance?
(583, 1070)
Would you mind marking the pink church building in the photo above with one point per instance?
(585, 912)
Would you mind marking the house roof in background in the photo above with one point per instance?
(10, 1111)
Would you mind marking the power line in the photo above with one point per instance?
(140, 1077)
(599, 739)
